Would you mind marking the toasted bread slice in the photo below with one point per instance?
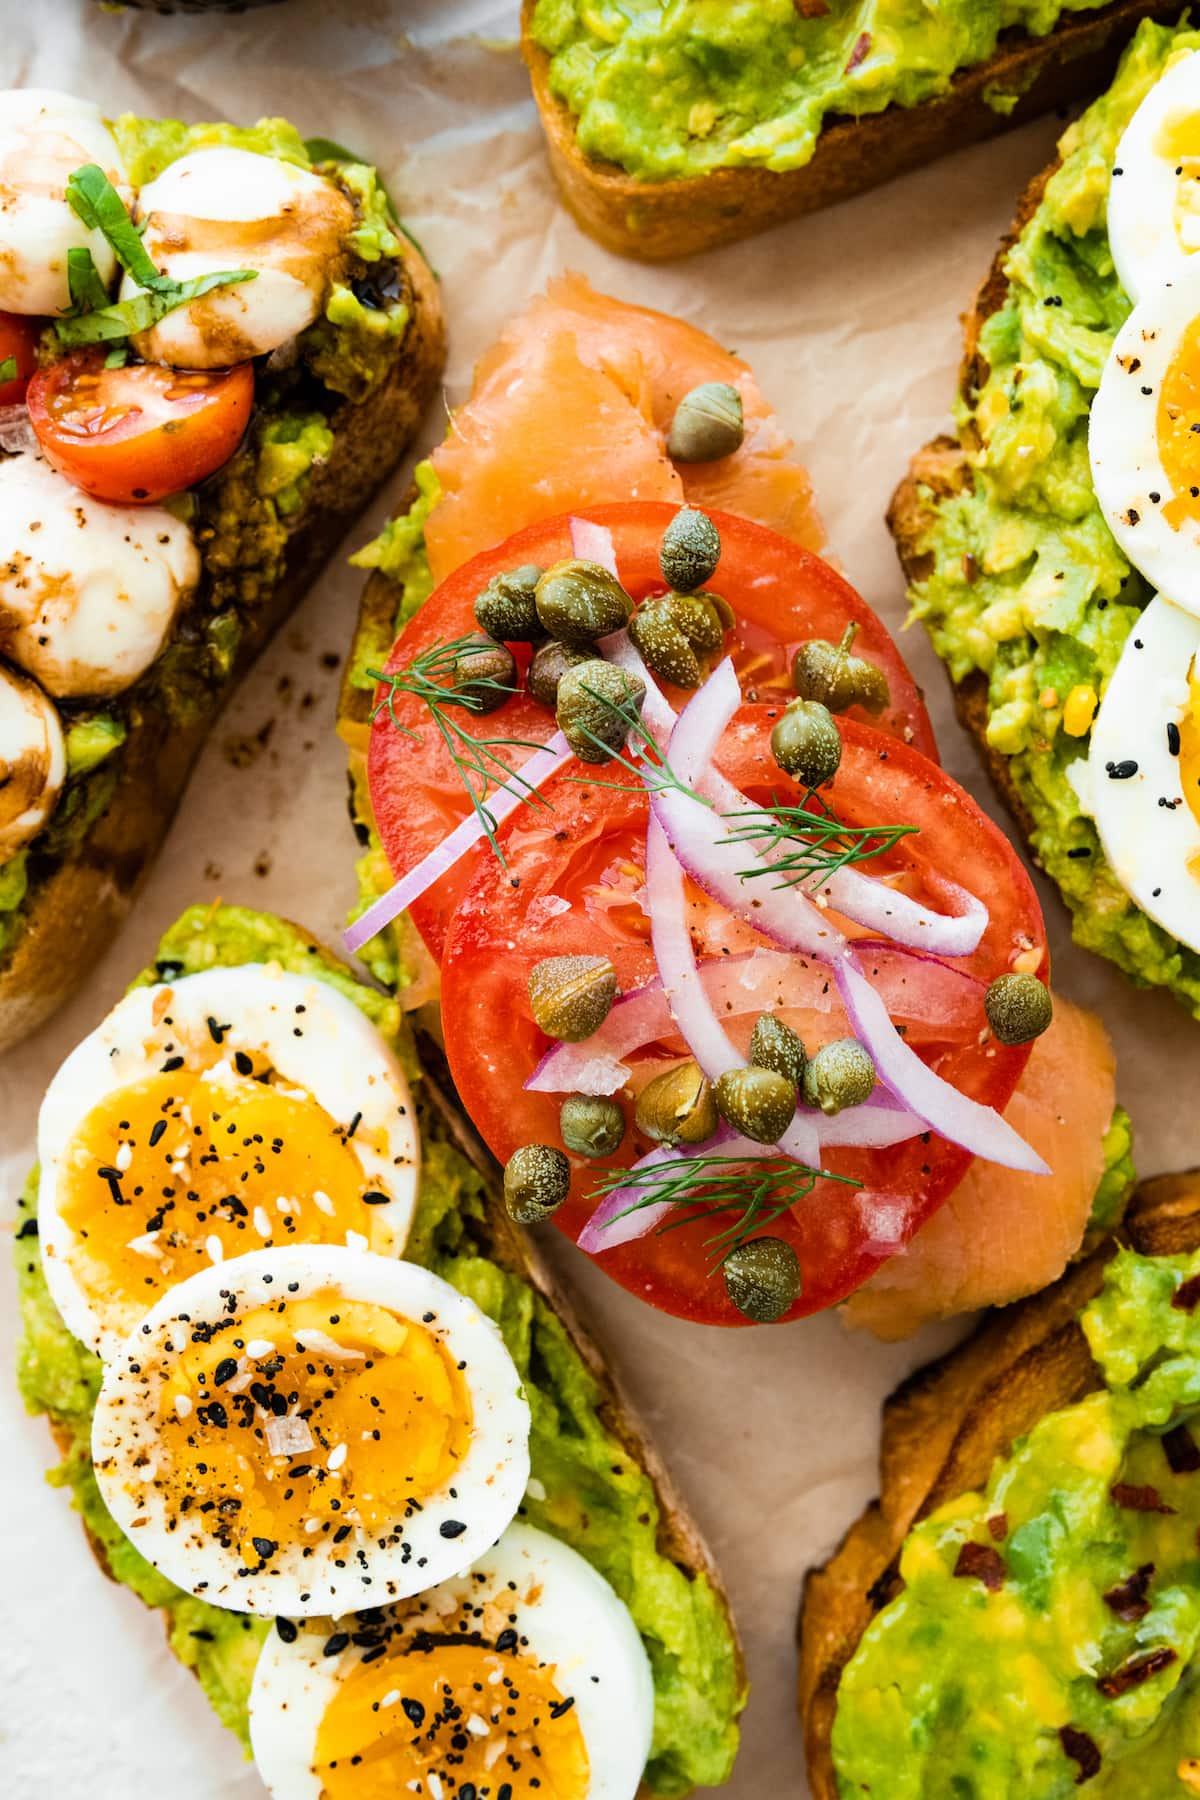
(942, 1431)
(74, 912)
(658, 220)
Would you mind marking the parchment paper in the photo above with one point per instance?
(851, 322)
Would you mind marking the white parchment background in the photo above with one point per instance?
(851, 322)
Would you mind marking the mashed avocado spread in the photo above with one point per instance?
(1047, 1630)
(585, 1488)
(681, 87)
(1026, 583)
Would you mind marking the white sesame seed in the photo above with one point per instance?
(183, 1405)
(337, 1457)
(390, 1698)
(434, 1786)
(476, 1726)
(259, 1347)
(215, 1249)
(285, 1206)
(124, 1156)
(322, 1201)
(262, 1223)
(535, 1489)
(311, 1525)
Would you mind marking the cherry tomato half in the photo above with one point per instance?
(134, 435)
(18, 339)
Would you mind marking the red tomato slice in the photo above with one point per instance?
(588, 853)
(782, 596)
(135, 435)
(18, 339)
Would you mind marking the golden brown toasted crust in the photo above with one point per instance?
(942, 1431)
(658, 220)
(73, 914)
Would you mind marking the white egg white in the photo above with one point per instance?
(33, 761)
(338, 1059)
(316, 1575)
(88, 592)
(1154, 199)
(221, 209)
(44, 138)
(1131, 483)
(564, 1612)
(1131, 784)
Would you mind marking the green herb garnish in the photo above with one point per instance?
(807, 844)
(8, 370)
(88, 292)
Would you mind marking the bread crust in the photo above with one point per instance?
(656, 221)
(942, 1430)
(76, 911)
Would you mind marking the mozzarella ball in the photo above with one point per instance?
(33, 761)
(44, 138)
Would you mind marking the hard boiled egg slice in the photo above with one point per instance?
(524, 1676)
(33, 761)
(311, 1430)
(1144, 439)
(1141, 781)
(1154, 199)
(44, 138)
(222, 209)
(206, 1117)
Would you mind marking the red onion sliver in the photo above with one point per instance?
(872, 903)
(594, 544)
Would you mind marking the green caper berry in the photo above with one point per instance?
(806, 743)
(677, 1107)
(550, 663)
(580, 602)
(774, 1045)
(698, 619)
(827, 672)
(537, 1179)
(757, 1102)
(571, 995)
(762, 1278)
(841, 1074)
(662, 645)
(594, 701)
(485, 675)
(708, 424)
(506, 608)
(591, 1125)
(690, 550)
(1018, 1007)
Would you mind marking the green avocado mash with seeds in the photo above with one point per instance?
(1047, 1630)
(1026, 584)
(585, 1488)
(682, 87)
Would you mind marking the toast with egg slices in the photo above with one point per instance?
(325, 430)
(597, 1480)
(943, 1431)
(682, 215)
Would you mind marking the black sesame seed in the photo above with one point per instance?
(287, 1630)
(1172, 737)
(156, 1131)
(1121, 771)
(172, 1063)
(216, 1032)
(1080, 850)
(336, 1644)
(451, 1528)
(562, 1706)
(225, 1371)
(341, 1534)
(29, 1229)
(414, 1711)
(243, 1063)
(265, 1546)
(373, 1197)
(507, 1640)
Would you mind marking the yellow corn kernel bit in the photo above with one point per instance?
(1188, 1772)
(1079, 711)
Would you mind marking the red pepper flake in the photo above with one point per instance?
(860, 51)
(1135, 1671)
(998, 1526)
(979, 1562)
(1139, 1499)
(970, 569)
(1128, 1599)
(1181, 1451)
(1186, 1297)
(1082, 1750)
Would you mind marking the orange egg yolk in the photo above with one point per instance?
(466, 1714)
(1178, 429)
(1189, 748)
(1178, 142)
(187, 1168)
(289, 1421)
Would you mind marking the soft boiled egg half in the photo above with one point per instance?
(522, 1679)
(1154, 198)
(311, 1430)
(225, 1112)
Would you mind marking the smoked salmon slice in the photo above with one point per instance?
(571, 407)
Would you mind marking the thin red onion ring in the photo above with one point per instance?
(594, 544)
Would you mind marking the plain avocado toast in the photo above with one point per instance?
(594, 1482)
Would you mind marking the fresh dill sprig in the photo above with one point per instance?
(651, 767)
(809, 842)
(436, 679)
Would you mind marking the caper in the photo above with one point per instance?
(690, 550)
(595, 700)
(806, 743)
(841, 1074)
(827, 672)
(485, 675)
(774, 1045)
(662, 645)
(571, 995)
(506, 608)
(703, 618)
(1018, 1008)
(537, 1179)
(581, 602)
(757, 1102)
(708, 424)
(550, 663)
(591, 1125)
(677, 1107)
(762, 1278)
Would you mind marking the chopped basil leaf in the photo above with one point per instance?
(117, 357)
(96, 201)
(83, 279)
(8, 370)
(141, 311)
